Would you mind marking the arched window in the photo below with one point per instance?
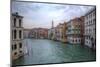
(15, 47)
(20, 45)
(12, 47)
(15, 34)
(20, 32)
(76, 40)
(15, 53)
(12, 34)
(19, 22)
(14, 22)
(20, 51)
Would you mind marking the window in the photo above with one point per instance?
(91, 15)
(94, 29)
(20, 45)
(86, 37)
(12, 47)
(76, 40)
(79, 40)
(20, 51)
(72, 40)
(15, 34)
(15, 47)
(91, 22)
(62, 36)
(94, 14)
(89, 31)
(15, 53)
(87, 23)
(19, 22)
(78, 26)
(87, 17)
(14, 22)
(87, 42)
(12, 34)
(20, 32)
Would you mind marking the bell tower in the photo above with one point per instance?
(52, 24)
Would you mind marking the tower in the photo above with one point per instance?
(52, 24)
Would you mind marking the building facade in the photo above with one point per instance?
(90, 28)
(64, 29)
(16, 36)
(39, 33)
(59, 32)
(82, 30)
(74, 31)
(26, 33)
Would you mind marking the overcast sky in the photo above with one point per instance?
(42, 14)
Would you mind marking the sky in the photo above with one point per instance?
(42, 14)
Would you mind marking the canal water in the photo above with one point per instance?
(42, 51)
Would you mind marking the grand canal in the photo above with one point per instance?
(41, 51)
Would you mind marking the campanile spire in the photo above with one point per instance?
(52, 24)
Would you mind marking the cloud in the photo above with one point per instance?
(42, 14)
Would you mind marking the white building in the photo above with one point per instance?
(16, 36)
(90, 28)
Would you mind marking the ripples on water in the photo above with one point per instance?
(48, 51)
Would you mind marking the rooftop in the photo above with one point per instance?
(17, 15)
